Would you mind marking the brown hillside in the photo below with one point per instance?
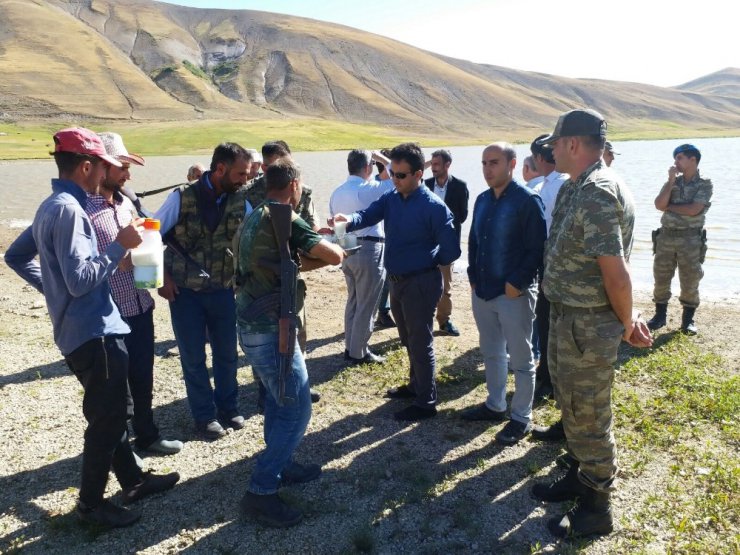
(138, 59)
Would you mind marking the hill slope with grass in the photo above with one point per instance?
(143, 60)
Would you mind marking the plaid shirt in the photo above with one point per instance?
(107, 220)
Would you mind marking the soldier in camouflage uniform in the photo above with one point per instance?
(285, 422)
(588, 285)
(681, 240)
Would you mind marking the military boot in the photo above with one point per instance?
(567, 487)
(687, 321)
(591, 516)
(658, 321)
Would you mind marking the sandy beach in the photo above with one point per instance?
(439, 486)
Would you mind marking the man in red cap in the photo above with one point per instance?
(88, 329)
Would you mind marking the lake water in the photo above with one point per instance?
(643, 164)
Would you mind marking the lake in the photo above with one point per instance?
(643, 164)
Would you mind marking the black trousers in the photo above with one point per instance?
(542, 321)
(101, 366)
(140, 347)
(413, 303)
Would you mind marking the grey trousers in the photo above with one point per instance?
(364, 274)
(413, 301)
(506, 324)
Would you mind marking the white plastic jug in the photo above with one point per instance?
(148, 258)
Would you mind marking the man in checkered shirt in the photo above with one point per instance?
(109, 211)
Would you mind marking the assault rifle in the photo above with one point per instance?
(282, 216)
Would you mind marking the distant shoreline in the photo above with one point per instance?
(32, 140)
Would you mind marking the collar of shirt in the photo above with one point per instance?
(694, 179)
(444, 186)
(210, 190)
(99, 201)
(413, 194)
(555, 174)
(69, 186)
(583, 178)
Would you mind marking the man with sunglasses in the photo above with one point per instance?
(420, 237)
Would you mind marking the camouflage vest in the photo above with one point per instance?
(211, 251)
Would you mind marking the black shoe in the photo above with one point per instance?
(565, 461)
(210, 430)
(513, 432)
(384, 321)
(659, 320)
(591, 516)
(298, 473)
(234, 421)
(687, 321)
(555, 432)
(482, 412)
(108, 515)
(448, 328)
(400, 392)
(315, 396)
(542, 392)
(270, 510)
(414, 413)
(150, 484)
(369, 358)
(564, 488)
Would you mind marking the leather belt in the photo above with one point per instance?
(400, 277)
(372, 239)
(686, 232)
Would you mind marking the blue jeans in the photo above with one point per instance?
(286, 424)
(192, 312)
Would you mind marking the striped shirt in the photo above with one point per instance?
(107, 220)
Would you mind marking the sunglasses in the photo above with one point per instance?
(400, 175)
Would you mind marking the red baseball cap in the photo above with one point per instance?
(79, 140)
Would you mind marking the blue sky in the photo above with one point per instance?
(659, 42)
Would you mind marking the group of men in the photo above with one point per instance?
(559, 251)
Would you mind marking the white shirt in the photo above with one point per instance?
(535, 182)
(548, 192)
(357, 194)
(441, 191)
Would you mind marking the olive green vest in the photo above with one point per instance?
(211, 251)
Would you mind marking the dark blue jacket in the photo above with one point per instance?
(506, 242)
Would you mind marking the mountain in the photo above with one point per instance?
(145, 60)
(721, 83)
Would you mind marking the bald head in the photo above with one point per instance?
(499, 161)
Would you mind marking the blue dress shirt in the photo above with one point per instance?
(419, 232)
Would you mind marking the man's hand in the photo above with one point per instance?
(169, 290)
(125, 265)
(637, 333)
(511, 291)
(339, 218)
(130, 236)
(672, 173)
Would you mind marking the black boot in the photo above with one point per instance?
(591, 516)
(568, 486)
(658, 321)
(687, 321)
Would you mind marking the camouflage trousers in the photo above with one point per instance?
(581, 354)
(685, 251)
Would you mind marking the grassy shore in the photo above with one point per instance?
(33, 140)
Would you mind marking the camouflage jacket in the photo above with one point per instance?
(696, 190)
(594, 216)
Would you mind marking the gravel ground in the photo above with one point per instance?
(439, 486)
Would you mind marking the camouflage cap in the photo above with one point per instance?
(608, 146)
(576, 123)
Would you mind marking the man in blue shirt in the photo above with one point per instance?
(88, 328)
(505, 248)
(420, 237)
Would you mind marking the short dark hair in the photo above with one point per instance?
(227, 154)
(444, 154)
(358, 160)
(542, 150)
(275, 149)
(595, 142)
(411, 154)
(281, 173)
(67, 162)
